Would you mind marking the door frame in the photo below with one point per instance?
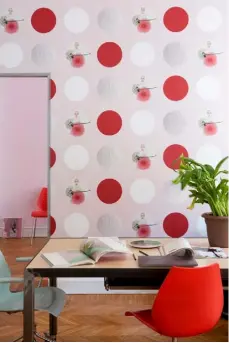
(48, 76)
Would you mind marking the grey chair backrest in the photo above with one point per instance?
(4, 272)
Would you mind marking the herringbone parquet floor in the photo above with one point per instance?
(88, 318)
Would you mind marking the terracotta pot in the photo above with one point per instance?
(217, 230)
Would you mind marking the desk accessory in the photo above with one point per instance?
(166, 261)
(209, 252)
(143, 253)
(144, 244)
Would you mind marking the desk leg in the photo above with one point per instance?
(52, 319)
(28, 312)
(225, 307)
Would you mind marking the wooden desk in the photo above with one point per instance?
(125, 268)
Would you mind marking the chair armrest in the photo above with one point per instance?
(11, 279)
(24, 259)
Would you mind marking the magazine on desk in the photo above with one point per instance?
(91, 251)
(181, 247)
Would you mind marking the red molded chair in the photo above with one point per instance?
(41, 211)
(189, 303)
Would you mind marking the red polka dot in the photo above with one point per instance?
(109, 191)
(52, 225)
(172, 155)
(109, 54)
(52, 89)
(175, 88)
(175, 225)
(52, 157)
(43, 20)
(109, 122)
(176, 19)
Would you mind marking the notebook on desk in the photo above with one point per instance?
(178, 252)
(91, 251)
(166, 261)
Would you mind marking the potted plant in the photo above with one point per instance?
(208, 185)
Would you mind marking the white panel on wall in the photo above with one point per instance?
(136, 87)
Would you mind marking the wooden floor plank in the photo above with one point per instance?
(90, 318)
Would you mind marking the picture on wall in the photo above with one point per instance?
(12, 228)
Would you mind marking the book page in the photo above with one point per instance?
(67, 258)
(96, 247)
(179, 246)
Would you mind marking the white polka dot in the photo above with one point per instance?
(76, 157)
(76, 225)
(110, 19)
(142, 54)
(209, 19)
(109, 225)
(174, 122)
(174, 194)
(174, 54)
(76, 20)
(201, 227)
(76, 88)
(108, 156)
(142, 123)
(208, 88)
(11, 55)
(209, 154)
(108, 88)
(42, 55)
(142, 191)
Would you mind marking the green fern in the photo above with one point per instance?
(205, 185)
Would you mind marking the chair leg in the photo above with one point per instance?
(18, 339)
(174, 339)
(34, 230)
(45, 337)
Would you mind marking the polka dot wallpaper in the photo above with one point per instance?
(133, 86)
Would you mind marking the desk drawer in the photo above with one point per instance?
(131, 283)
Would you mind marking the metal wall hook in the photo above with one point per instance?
(12, 20)
(150, 87)
(213, 53)
(212, 122)
(146, 19)
(139, 157)
(84, 123)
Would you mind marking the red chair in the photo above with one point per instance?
(189, 303)
(41, 211)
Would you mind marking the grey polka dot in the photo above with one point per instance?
(108, 156)
(42, 55)
(109, 19)
(108, 88)
(174, 122)
(174, 54)
(109, 225)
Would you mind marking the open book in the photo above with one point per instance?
(181, 247)
(178, 247)
(91, 250)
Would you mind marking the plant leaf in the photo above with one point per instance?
(217, 168)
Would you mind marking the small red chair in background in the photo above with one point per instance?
(41, 211)
(189, 303)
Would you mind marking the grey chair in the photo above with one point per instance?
(49, 299)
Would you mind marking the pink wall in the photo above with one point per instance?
(23, 144)
(121, 123)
